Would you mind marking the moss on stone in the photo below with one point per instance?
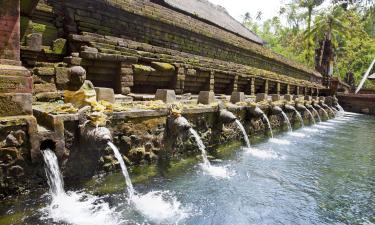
(59, 46)
(139, 69)
(165, 67)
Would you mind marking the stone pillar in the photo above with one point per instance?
(266, 87)
(212, 81)
(235, 83)
(15, 80)
(126, 77)
(297, 90)
(179, 80)
(252, 86)
(278, 88)
(288, 89)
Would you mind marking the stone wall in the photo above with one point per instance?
(147, 22)
(359, 103)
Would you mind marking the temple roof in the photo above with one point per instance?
(214, 14)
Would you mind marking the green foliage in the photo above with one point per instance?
(350, 28)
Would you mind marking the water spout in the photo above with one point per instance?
(268, 123)
(243, 133)
(257, 112)
(72, 207)
(129, 185)
(319, 107)
(201, 147)
(311, 116)
(340, 108)
(317, 113)
(54, 177)
(286, 119)
(215, 171)
(277, 110)
(226, 116)
(178, 125)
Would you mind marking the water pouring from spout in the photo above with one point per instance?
(243, 133)
(215, 171)
(77, 208)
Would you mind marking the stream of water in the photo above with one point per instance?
(268, 124)
(244, 134)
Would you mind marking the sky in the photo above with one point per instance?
(237, 8)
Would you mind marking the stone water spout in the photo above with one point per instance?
(177, 124)
(256, 111)
(289, 108)
(277, 110)
(226, 116)
(300, 107)
(318, 107)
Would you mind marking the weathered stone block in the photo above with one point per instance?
(261, 97)
(34, 42)
(206, 97)
(62, 77)
(237, 97)
(125, 90)
(275, 97)
(105, 94)
(44, 71)
(44, 87)
(288, 97)
(15, 104)
(167, 96)
(165, 67)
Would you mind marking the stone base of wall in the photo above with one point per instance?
(360, 103)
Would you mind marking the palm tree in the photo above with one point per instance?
(328, 27)
(309, 5)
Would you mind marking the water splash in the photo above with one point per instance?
(299, 117)
(161, 207)
(268, 124)
(243, 133)
(286, 119)
(129, 185)
(263, 154)
(279, 141)
(76, 208)
(215, 171)
(311, 116)
(158, 206)
(317, 113)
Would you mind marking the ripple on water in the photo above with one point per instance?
(161, 207)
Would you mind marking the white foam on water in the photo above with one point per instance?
(324, 127)
(162, 207)
(310, 129)
(217, 172)
(263, 154)
(79, 208)
(297, 134)
(279, 141)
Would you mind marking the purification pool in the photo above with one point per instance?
(322, 174)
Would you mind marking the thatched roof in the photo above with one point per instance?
(214, 14)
